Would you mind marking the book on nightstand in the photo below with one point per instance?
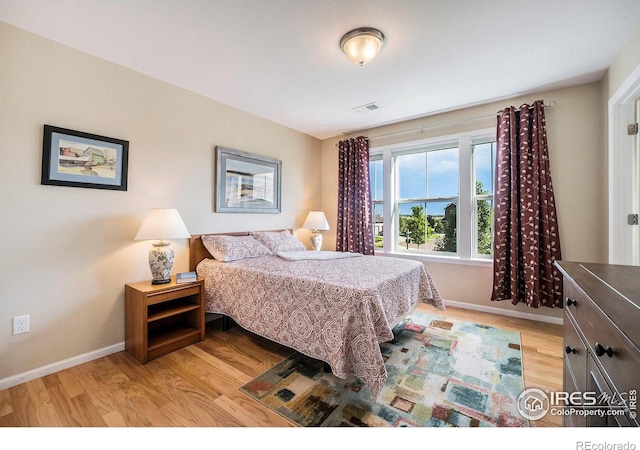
(186, 277)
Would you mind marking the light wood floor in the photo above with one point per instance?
(199, 385)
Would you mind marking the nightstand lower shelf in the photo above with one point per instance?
(170, 339)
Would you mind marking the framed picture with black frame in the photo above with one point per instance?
(79, 159)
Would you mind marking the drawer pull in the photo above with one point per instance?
(570, 350)
(571, 301)
(600, 350)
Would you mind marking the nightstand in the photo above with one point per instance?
(161, 318)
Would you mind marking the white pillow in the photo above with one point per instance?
(226, 248)
(278, 241)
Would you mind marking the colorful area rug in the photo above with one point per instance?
(441, 373)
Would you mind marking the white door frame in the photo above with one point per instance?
(624, 173)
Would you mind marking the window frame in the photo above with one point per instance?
(466, 234)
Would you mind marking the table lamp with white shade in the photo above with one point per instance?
(316, 221)
(162, 224)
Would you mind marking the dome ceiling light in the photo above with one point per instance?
(362, 44)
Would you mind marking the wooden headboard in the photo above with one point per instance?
(198, 252)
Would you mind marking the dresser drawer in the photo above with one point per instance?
(609, 398)
(576, 303)
(617, 355)
(575, 354)
(576, 419)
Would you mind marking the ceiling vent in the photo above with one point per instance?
(366, 108)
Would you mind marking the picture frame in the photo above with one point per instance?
(78, 159)
(247, 183)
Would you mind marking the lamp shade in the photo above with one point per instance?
(316, 220)
(162, 224)
(362, 44)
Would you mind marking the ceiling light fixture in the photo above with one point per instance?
(362, 44)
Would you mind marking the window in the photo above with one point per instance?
(376, 181)
(435, 197)
(484, 156)
(428, 185)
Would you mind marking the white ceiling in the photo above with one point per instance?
(280, 59)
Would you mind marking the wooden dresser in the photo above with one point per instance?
(601, 339)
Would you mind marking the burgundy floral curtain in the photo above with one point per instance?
(354, 230)
(526, 239)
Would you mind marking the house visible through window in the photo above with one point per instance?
(435, 197)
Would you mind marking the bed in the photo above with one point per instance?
(331, 306)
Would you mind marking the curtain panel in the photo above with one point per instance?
(354, 232)
(526, 238)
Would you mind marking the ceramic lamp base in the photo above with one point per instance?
(161, 262)
(316, 240)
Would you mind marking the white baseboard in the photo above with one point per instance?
(505, 312)
(20, 378)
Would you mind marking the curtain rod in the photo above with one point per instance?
(420, 130)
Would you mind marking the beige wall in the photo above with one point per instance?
(626, 62)
(67, 252)
(578, 167)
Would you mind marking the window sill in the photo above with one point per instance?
(439, 259)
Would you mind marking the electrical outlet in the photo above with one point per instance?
(20, 324)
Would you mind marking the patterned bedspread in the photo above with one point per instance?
(337, 311)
